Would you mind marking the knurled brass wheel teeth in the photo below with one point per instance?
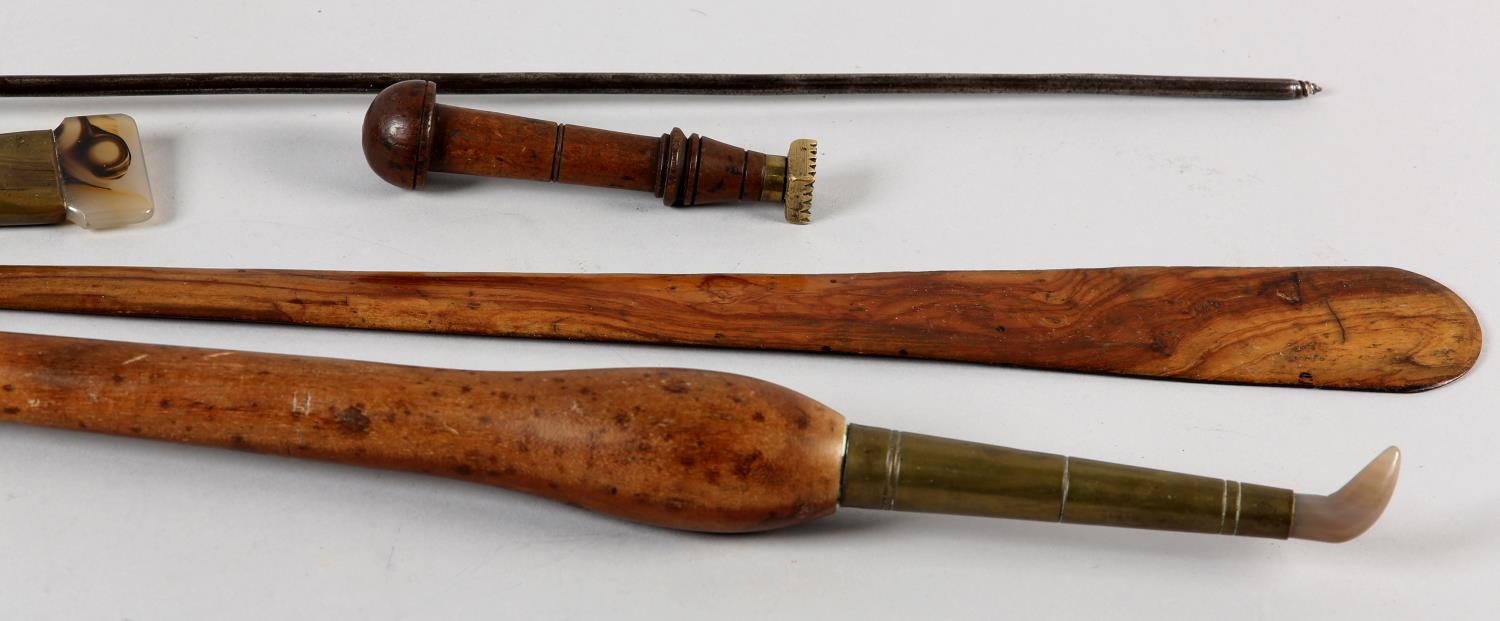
(801, 171)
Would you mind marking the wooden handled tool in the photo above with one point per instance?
(684, 449)
(1357, 328)
(407, 133)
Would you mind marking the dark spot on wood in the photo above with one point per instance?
(1304, 377)
(803, 420)
(117, 378)
(613, 491)
(465, 389)
(687, 461)
(9, 388)
(12, 410)
(758, 417)
(903, 352)
(1157, 345)
(827, 348)
(746, 464)
(135, 429)
(675, 386)
(353, 420)
(675, 505)
(463, 470)
(474, 305)
(1206, 307)
(622, 420)
(485, 418)
(165, 404)
(236, 441)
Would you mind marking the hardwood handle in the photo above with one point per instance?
(1358, 328)
(407, 134)
(677, 448)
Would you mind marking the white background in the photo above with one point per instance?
(1395, 164)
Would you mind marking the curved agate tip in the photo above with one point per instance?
(1349, 512)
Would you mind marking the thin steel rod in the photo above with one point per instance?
(660, 84)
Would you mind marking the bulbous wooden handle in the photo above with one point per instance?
(408, 134)
(683, 449)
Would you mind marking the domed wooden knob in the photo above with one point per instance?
(408, 134)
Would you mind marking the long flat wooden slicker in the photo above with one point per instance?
(1357, 328)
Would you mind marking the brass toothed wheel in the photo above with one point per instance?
(801, 168)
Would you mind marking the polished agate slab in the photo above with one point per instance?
(103, 176)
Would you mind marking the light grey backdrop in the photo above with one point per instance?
(1395, 164)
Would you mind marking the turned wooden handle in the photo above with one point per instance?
(1359, 328)
(683, 449)
(407, 134)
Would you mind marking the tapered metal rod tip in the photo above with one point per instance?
(1349, 512)
(1310, 88)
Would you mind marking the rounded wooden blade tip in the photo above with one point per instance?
(1349, 512)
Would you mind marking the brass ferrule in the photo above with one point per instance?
(773, 175)
(789, 180)
(30, 182)
(897, 471)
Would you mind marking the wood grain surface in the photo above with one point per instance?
(1358, 328)
(683, 449)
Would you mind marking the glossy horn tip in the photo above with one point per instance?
(398, 132)
(1349, 512)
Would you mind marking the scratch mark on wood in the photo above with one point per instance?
(302, 404)
(1343, 334)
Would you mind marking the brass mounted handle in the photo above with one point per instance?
(684, 449)
(408, 134)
